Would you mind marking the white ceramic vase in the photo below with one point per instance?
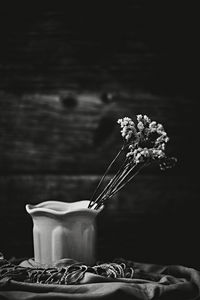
(63, 230)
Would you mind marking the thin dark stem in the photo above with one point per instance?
(120, 187)
(107, 187)
(106, 172)
(126, 173)
(117, 178)
(112, 182)
(114, 191)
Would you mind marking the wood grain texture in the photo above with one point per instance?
(40, 134)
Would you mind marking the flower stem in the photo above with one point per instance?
(106, 172)
(106, 188)
(113, 181)
(130, 178)
(125, 173)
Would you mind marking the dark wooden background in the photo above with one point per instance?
(58, 130)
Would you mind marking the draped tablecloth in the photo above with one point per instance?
(119, 279)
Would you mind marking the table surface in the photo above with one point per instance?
(107, 280)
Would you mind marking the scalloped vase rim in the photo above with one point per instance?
(61, 208)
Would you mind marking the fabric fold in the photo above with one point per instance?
(143, 281)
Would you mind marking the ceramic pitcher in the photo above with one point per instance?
(63, 230)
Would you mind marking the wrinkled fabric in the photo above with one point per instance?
(150, 281)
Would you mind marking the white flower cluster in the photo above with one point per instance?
(146, 141)
(128, 128)
(143, 154)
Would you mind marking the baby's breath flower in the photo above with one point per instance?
(144, 143)
(152, 124)
(146, 119)
(167, 163)
(125, 122)
(140, 126)
(157, 153)
(161, 146)
(160, 127)
(128, 129)
(139, 118)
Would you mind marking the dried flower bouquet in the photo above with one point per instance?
(143, 144)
